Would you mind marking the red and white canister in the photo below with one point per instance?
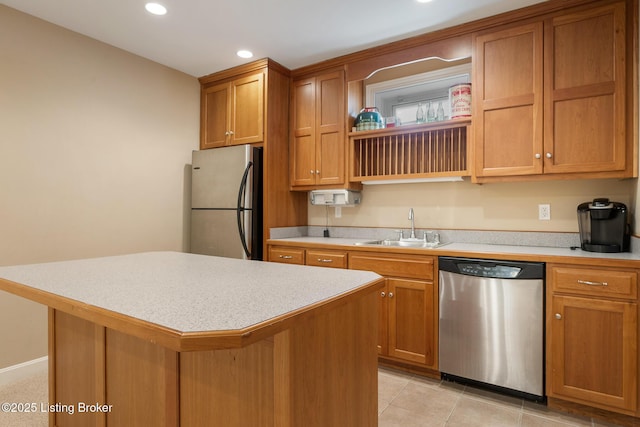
(460, 100)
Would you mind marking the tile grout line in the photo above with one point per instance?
(455, 405)
(396, 395)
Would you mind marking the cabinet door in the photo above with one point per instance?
(593, 352)
(410, 320)
(507, 101)
(247, 110)
(330, 119)
(215, 116)
(585, 91)
(303, 148)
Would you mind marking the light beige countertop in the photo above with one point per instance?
(181, 292)
(479, 250)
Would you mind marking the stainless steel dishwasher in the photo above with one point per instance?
(491, 328)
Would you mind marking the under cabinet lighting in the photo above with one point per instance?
(155, 8)
(413, 180)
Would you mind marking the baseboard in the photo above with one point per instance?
(23, 370)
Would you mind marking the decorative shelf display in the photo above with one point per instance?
(414, 152)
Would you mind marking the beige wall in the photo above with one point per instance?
(94, 143)
(465, 206)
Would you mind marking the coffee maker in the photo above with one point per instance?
(603, 226)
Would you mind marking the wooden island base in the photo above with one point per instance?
(322, 371)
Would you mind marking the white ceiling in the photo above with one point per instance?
(199, 37)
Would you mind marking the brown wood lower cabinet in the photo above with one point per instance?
(592, 335)
(410, 320)
(407, 315)
(592, 331)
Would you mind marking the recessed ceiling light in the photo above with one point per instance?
(423, 1)
(155, 8)
(244, 54)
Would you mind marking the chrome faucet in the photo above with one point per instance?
(413, 226)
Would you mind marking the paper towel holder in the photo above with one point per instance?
(338, 197)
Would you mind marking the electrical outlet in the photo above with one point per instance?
(338, 212)
(544, 212)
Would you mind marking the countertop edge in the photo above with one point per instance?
(184, 341)
(503, 252)
(199, 341)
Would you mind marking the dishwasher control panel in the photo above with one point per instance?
(497, 271)
(492, 268)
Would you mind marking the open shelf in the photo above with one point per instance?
(409, 152)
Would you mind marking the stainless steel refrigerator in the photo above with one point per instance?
(226, 202)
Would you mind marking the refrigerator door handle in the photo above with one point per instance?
(240, 209)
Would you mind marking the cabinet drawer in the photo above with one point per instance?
(596, 282)
(405, 266)
(333, 259)
(286, 255)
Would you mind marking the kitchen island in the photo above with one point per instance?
(174, 339)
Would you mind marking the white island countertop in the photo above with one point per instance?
(184, 294)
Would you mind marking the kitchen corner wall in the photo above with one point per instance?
(95, 145)
(511, 206)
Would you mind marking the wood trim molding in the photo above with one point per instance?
(410, 46)
(233, 73)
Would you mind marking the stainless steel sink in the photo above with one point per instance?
(418, 243)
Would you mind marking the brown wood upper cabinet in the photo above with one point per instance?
(233, 112)
(317, 137)
(550, 97)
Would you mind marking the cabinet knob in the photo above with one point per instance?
(382, 294)
(538, 156)
(549, 155)
(286, 256)
(226, 133)
(390, 294)
(317, 172)
(324, 260)
(230, 132)
(312, 172)
(558, 316)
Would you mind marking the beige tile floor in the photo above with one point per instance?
(407, 400)
(404, 400)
